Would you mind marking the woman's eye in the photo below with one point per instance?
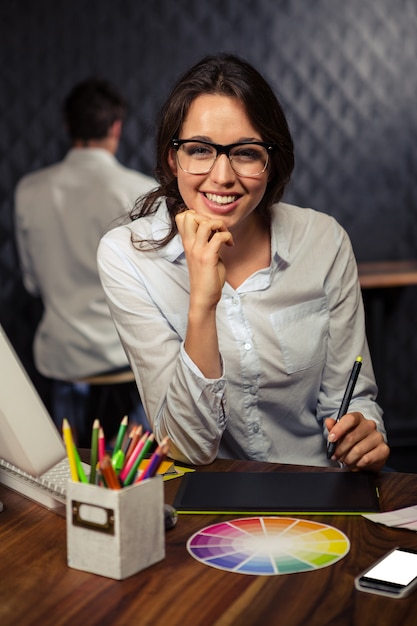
(247, 154)
(198, 151)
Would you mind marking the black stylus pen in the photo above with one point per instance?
(331, 445)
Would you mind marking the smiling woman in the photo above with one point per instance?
(241, 315)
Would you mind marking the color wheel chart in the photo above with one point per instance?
(267, 546)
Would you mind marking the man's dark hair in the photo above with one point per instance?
(91, 108)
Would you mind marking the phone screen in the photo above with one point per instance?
(399, 568)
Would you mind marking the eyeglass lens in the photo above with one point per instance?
(246, 159)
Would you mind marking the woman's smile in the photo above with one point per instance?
(221, 203)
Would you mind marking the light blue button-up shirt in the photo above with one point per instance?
(288, 337)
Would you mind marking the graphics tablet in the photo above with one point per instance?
(277, 492)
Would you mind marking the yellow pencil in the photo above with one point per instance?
(69, 444)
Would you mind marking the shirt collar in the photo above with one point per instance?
(87, 154)
(174, 249)
(280, 250)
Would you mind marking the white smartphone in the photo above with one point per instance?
(395, 575)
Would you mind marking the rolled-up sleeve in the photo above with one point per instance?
(179, 402)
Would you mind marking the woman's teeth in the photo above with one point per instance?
(220, 199)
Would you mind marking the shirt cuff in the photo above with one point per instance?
(195, 370)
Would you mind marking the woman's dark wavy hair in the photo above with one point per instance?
(226, 75)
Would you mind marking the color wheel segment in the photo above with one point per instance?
(267, 546)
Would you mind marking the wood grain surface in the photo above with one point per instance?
(37, 586)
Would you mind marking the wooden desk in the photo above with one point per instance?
(383, 274)
(375, 279)
(37, 587)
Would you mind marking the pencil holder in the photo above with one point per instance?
(115, 533)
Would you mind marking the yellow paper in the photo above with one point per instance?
(168, 469)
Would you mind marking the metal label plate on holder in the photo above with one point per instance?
(93, 516)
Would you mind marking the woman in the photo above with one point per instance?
(241, 315)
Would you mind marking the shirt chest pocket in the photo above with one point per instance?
(302, 332)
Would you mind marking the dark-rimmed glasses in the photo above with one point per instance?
(248, 159)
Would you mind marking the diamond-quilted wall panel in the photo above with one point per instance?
(345, 72)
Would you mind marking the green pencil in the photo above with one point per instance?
(80, 469)
(120, 436)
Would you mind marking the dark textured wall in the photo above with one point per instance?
(345, 72)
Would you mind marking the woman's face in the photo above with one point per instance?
(221, 192)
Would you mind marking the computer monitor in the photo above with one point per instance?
(28, 437)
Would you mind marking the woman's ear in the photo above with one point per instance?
(172, 161)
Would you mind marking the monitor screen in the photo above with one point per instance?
(28, 437)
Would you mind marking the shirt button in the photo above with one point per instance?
(253, 390)
(248, 346)
(255, 428)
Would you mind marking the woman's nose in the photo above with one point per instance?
(222, 171)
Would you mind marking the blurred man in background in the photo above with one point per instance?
(61, 212)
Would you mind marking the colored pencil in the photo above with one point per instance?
(94, 450)
(108, 473)
(80, 470)
(155, 461)
(132, 473)
(129, 464)
(134, 436)
(117, 461)
(120, 436)
(69, 444)
(101, 444)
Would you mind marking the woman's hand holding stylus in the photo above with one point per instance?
(360, 446)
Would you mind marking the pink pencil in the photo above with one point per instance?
(132, 458)
(101, 444)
